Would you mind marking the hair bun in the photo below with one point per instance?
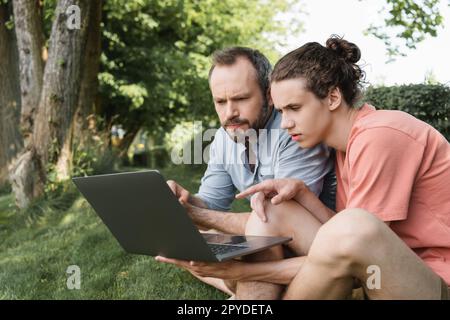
(344, 49)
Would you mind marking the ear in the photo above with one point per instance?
(334, 98)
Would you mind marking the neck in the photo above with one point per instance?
(342, 123)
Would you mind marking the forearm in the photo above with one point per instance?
(278, 271)
(196, 201)
(226, 222)
(312, 203)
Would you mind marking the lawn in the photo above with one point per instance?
(37, 246)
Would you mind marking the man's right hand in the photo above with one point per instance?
(181, 193)
(183, 197)
(276, 190)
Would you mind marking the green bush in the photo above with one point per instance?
(429, 103)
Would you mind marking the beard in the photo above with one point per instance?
(240, 135)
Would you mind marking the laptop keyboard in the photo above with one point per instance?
(218, 249)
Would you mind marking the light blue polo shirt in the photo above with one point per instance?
(276, 155)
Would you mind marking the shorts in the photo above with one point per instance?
(445, 290)
(358, 293)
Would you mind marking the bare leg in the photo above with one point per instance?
(226, 287)
(286, 219)
(246, 290)
(346, 246)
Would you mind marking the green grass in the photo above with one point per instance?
(37, 246)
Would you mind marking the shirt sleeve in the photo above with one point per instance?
(217, 189)
(383, 165)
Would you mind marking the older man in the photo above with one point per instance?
(249, 148)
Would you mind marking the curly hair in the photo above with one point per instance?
(324, 68)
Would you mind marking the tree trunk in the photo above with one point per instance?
(79, 133)
(127, 141)
(58, 100)
(91, 65)
(30, 42)
(10, 138)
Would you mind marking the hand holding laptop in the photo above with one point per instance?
(231, 269)
(181, 193)
(145, 216)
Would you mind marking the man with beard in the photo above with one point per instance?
(249, 148)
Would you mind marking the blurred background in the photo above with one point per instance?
(115, 85)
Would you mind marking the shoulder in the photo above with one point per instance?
(393, 123)
(377, 142)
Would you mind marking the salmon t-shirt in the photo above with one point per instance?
(398, 168)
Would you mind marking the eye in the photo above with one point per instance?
(279, 111)
(295, 107)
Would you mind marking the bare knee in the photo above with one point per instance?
(276, 224)
(346, 238)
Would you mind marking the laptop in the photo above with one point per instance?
(146, 218)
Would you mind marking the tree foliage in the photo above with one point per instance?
(411, 20)
(156, 54)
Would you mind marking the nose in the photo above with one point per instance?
(231, 110)
(286, 123)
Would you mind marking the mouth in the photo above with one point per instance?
(234, 126)
(296, 137)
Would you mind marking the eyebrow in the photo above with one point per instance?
(289, 105)
(236, 96)
(241, 95)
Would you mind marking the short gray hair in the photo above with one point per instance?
(228, 56)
